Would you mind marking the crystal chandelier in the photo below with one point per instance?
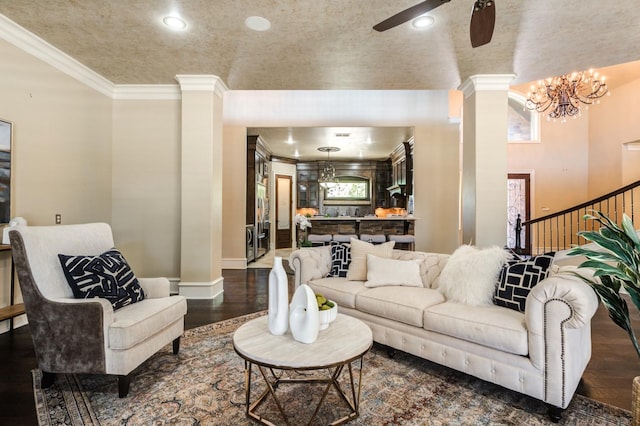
(562, 95)
(328, 173)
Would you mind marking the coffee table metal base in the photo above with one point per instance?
(273, 381)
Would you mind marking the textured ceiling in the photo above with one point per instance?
(330, 44)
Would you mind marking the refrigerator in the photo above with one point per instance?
(261, 234)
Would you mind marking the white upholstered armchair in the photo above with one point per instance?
(86, 335)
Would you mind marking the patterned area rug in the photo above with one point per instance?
(204, 385)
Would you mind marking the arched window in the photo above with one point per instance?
(524, 124)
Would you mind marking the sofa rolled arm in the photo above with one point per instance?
(580, 299)
(310, 263)
(155, 288)
(558, 316)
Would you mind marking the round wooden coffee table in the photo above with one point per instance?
(346, 340)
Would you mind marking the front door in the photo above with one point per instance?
(519, 200)
(284, 203)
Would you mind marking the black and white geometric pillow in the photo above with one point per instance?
(518, 277)
(107, 275)
(340, 259)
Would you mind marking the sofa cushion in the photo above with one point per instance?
(340, 290)
(106, 275)
(470, 274)
(389, 272)
(403, 304)
(430, 267)
(135, 323)
(340, 259)
(359, 251)
(518, 277)
(492, 326)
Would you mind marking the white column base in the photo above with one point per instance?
(234, 263)
(201, 290)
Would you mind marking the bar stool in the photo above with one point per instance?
(319, 239)
(373, 238)
(344, 238)
(408, 241)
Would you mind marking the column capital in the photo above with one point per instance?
(201, 83)
(480, 82)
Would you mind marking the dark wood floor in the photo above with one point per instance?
(608, 377)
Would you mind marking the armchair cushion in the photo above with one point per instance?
(107, 275)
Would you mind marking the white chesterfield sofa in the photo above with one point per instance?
(541, 352)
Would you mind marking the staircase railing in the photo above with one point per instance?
(558, 231)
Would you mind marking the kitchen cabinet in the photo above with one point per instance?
(381, 182)
(308, 187)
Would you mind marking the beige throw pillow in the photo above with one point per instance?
(385, 272)
(359, 250)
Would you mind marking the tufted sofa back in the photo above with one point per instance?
(430, 267)
(317, 264)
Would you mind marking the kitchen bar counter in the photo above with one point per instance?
(360, 218)
(396, 225)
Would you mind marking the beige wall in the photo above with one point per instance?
(612, 123)
(436, 187)
(61, 145)
(559, 165)
(234, 181)
(146, 185)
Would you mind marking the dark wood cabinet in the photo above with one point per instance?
(381, 182)
(308, 187)
(399, 173)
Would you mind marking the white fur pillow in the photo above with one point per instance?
(359, 250)
(470, 274)
(382, 272)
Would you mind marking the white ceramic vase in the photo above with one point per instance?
(304, 320)
(278, 299)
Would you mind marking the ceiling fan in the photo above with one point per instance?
(483, 18)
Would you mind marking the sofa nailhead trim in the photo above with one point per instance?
(562, 345)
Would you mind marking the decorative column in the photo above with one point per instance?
(484, 159)
(201, 185)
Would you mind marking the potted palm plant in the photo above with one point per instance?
(615, 263)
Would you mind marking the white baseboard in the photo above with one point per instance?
(234, 263)
(201, 290)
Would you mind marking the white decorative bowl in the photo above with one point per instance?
(326, 317)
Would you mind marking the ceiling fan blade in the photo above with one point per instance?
(483, 19)
(409, 14)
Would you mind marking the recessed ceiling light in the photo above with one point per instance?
(423, 21)
(257, 23)
(174, 22)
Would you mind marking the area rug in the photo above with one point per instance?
(204, 385)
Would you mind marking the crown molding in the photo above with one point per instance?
(482, 82)
(147, 92)
(35, 46)
(39, 48)
(206, 83)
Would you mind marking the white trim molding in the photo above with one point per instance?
(234, 263)
(147, 91)
(201, 290)
(204, 83)
(37, 47)
(481, 82)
